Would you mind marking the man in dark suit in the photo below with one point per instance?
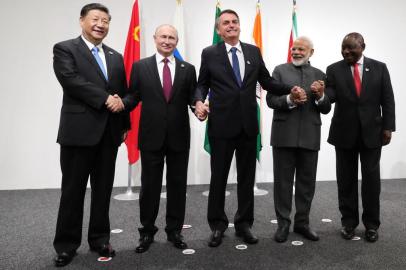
(363, 121)
(90, 131)
(295, 139)
(164, 134)
(230, 70)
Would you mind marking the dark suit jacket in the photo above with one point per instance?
(365, 116)
(233, 108)
(299, 126)
(84, 115)
(161, 121)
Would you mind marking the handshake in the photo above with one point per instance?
(114, 103)
(298, 95)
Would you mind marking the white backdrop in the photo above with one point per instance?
(31, 96)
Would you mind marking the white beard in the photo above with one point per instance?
(300, 62)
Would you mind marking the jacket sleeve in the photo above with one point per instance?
(387, 101)
(203, 83)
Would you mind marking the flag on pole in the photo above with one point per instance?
(132, 54)
(257, 35)
(179, 52)
(293, 31)
(216, 39)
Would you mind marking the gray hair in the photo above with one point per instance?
(166, 25)
(307, 40)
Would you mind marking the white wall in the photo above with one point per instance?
(31, 96)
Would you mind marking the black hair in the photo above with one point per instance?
(92, 6)
(228, 11)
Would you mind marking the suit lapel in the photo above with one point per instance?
(109, 54)
(366, 73)
(247, 61)
(179, 77)
(155, 79)
(349, 79)
(84, 50)
(223, 55)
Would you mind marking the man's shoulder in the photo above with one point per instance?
(69, 42)
(249, 46)
(184, 64)
(370, 61)
(336, 65)
(212, 48)
(109, 50)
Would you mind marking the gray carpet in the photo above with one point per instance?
(28, 217)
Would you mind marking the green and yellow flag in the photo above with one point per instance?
(216, 39)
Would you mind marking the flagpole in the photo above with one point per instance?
(129, 195)
(257, 36)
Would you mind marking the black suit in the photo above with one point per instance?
(89, 135)
(356, 131)
(164, 133)
(295, 140)
(233, 126)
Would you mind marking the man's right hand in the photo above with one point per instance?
(114, 103)
(201, 110)
(298, 95)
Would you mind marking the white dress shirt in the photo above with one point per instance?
(240, 57)
(100, 51)
(360, 63)
(160, 64)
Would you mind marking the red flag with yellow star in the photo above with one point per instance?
(132, 54)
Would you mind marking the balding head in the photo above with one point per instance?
(166, 39)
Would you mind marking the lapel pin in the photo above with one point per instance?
(182, 65)
(110, 52)
(366, 69)
(248, 62)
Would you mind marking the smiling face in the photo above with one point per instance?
(166, 39)
(95, 25)
(301, 51)
(352, 48)
(228, 28)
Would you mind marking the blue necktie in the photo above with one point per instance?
(236, 65)
(99, 61)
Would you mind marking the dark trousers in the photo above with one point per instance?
(288, 162)
(77, 164)
(222, 150)
(152, 163)
(347, 182)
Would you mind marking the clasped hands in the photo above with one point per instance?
(298, 95)
(114, 103)
(201, 110)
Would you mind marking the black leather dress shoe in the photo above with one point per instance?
(371, 235)
(281, 234)
(144, 243)
(215, 238)
(247, 236)
(63, 258)
(347, 233)
(307, 233)
(177, 240)
(105, 250)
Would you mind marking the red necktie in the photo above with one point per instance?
(357, 80)
(166, 80)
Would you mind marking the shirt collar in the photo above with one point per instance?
(361, 60)
(160, 58)
(228, 47)
(91, 45)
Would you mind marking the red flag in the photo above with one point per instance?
(293, 31)
(132, 54)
